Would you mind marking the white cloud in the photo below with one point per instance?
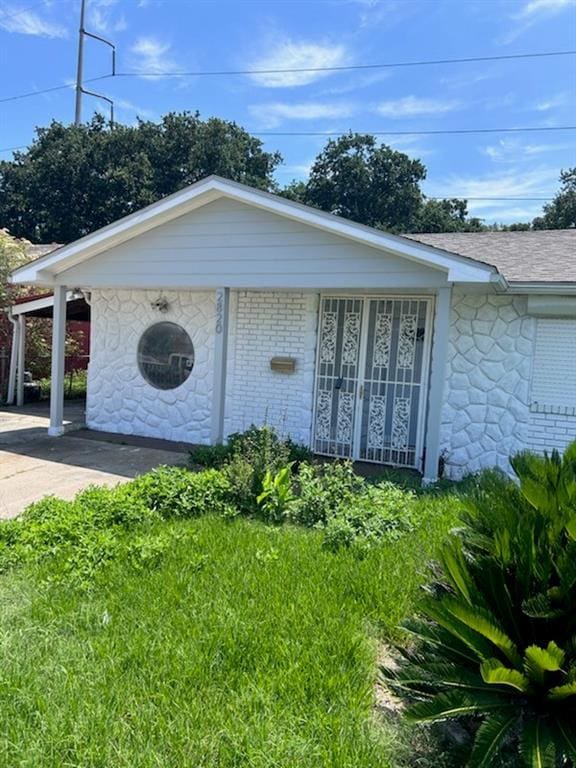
(135, 109)
(412, 146)
(273, 114)
(514, 150)
(515, 182)
(560, 100)
(296, 170)
(531, 13)
(27, 22)
(536, 7)
(356, 82)
(412, 106)
(101, 17)
(290, 54)
(384, 12)
(151, 56)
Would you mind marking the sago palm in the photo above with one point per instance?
(496, 637)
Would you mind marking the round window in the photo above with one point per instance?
(165, 355)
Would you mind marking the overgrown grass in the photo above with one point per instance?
(243, 645)
(75, 384)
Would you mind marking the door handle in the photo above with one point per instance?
(361, 392)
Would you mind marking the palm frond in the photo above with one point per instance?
(567, 732)
(561, 692)
(484, 623)
(457, 704)
(538, 660)
(537, 745)
(489, 739)
(494, 673)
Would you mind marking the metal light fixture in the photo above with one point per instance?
(161, 304)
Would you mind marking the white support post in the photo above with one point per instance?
(11, 393)
(440, 341)
(21, 360)
(220, 363)
(56, 427)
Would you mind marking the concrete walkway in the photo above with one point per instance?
(33, 465)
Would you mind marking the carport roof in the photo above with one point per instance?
(77, 308)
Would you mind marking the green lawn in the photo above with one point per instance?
(247, 645)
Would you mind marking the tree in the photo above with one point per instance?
(75, 179)
(359, 180)
(14, 254)
(376, 185)
(446, 216)
(561, 212)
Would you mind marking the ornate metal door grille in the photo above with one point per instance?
(337, 376)
(371, 379)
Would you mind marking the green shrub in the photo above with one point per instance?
(80, 535)
(323, 488)
(209, 456)
(256, 440)
(379, 512)
(253, 454)
(265, 443)
(178, 492)
(277, 496)
(497, 631)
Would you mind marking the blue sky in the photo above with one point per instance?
(38, 50)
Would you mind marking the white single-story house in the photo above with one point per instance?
(222, 306)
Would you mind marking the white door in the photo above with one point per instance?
(372, 378)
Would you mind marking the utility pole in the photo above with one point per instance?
(80, 90)
(80, 67)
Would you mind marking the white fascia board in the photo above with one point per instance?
(23, 307)
(458, 269)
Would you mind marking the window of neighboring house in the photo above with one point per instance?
(165, 355)
(554, 366)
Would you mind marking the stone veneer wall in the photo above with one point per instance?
(119, 399)
(268, 324)
(486, 413)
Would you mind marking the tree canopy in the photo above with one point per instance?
(373, 184)
(561, 212)
(75, 179)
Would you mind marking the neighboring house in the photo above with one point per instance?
(34, 305)
(222, 306)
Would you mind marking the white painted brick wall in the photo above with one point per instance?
(265, 325)
(548, 430)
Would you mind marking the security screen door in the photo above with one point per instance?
(372, 377)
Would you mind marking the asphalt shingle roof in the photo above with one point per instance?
(542, 256)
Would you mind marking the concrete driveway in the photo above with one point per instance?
(33, 465)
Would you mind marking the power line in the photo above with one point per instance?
(467, 197)
(35, 93)
(350, 67)
(447, 131)
(21, 11)
(428, 197)
(295, 70)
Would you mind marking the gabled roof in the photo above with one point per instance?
(541, 256)
(45, 270)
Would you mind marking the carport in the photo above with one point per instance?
(77, 308)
